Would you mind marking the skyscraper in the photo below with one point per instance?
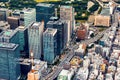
(44, 12)
(66, 32)
(23, 40)
(67, 13)
(9, 36)
(59, 25)
(27, 16)
(9, 67)
(35, 38)
(50, 45)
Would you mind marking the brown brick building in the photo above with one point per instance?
(81, 32)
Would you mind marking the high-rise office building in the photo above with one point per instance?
(66, 32)
(27, 16)
(4, 13)
(9, 36)
(14, 22)
(59, 25)
(44, 12)
(50, 45)
(9, 67)
(35, 38)
(23, 41)
(67, 13)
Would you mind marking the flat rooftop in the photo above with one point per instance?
(21, 28)
(58, 22)
(8, 46)
(15, 18)
(45, 5)
(8, 33)
(27, 10)
(51, 31)
(53, 18)
(35, 25)
(25, 61)
(38, 64)
(105, 12)
(66, 6)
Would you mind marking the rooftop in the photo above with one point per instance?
(28, 10)
(45, 5)
(21, 28)
(105, 12)
(66, 6)
(53, 18)
(13, 18)
(8, 33)
(35, 25)
(24, 61)
(57, 22)
(64, 72)
(51, 31)
(8, 46)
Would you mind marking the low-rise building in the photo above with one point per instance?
(81, 32)
(35, 73)
(4, 26)
(65, 75)
(103, 19)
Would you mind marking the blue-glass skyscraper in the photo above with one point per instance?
(9, 67)
(59, 25)
(50, 45)
(44, 12)
(35, 32)
(23, 40)
(9, 36)
(17, 36)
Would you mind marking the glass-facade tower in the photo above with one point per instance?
(9, 67)
(35, 32)
(23, 40)
(44, 12)
(50, 45)
(59, 25)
